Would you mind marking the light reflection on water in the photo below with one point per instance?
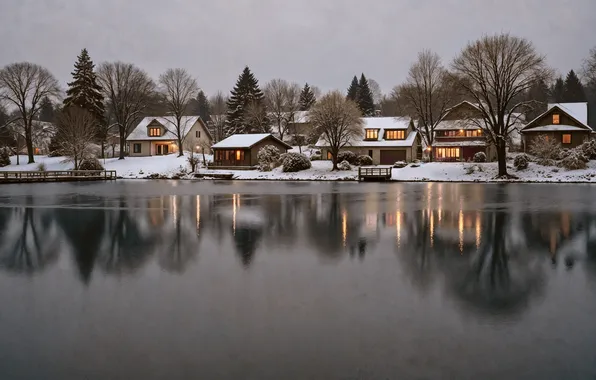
(495, 262)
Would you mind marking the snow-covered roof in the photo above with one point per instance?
(386, 123)
(409, 141)
(465, 124)
(578, 111)
(245, 140)
(168, 122)
(460, 143)
(554, 128)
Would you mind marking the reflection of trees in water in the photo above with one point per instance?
(28, 241)
(246, 240)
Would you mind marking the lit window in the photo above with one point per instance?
(556, 118)
(329, 156)
(395, 135)
(474, 133)
(447, 152)
(372, 134)
(154, 132)
(567, 138)
(239, 155)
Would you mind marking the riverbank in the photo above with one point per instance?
(173, 167)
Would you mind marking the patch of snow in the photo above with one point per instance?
(242, 140)
(460, 143)
(553, 127)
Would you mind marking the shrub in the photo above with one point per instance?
(546, 148)
(347, 155)
(315, 157)
(479, 157)
(344, 165)
(90, 163)
(364, 160)
(546, 162)
(269, 156)
(294, 162)
(4, 157)
(41, 167)
(574, 160)
(588, 148)
(193, 161)
(521, 162)
(400, 164)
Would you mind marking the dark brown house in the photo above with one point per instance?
(564, 122)
(240, 151)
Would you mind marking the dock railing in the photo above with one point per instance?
(56, 175)
(374, 172)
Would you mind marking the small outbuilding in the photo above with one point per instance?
(240, 151)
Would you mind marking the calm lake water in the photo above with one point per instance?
(260, 280)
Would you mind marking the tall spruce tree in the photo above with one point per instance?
(245, 98)
(539, 95)
(203, 106)
(557, 92)
(307, 98)
(84, 91)
(353, 90)
(46, 112)
(365, 98)
(574, 90)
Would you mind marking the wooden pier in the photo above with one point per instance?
(374, 173)
(56, 176)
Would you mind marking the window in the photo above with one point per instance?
(556, 119)
(567, 138)
(395, 135)
(136, 148)
(447, 152)
(154, 132)
(474, 133)
(370, 153)
(198, 134)
(329, 156)
(372, 134)
(239, 155)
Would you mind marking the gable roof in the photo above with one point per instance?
(169, 124)
(386, 122)
(246, 140)
(559, 127)
(578, 111)
(382, 124)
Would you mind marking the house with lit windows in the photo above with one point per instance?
(240, 151)
(386, 140)
(567, 123)
(156, 136)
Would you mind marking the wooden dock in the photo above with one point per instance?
(56, 176)
(374, 173)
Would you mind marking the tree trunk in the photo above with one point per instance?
(122, 142)
(29, 143)
(180, 150)
(113, 150)
(334, 160)
(103, 148)
(502, 158)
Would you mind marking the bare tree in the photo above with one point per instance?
(255, 116)
(76, 133)
(283, 101)
(24, 85)
(179, 88)
(338, 121)
(497, 70)
(589, 69)
(376, 91)
(427, 94)
(127, 90)
(219, 108)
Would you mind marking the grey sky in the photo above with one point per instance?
(324, 42)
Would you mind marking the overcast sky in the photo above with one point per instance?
(323, 42)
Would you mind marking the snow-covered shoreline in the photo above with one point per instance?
(166, 167)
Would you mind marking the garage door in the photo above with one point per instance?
(389, 157)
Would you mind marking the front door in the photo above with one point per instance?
(162, 149)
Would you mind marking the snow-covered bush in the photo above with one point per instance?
(294, 162)
(521, 162)
(41, 167)
(4, 157)
(588, 147)
(347, 155)
(315, 157)
(546, 162)
(193, 161)
(575, 160)
(90, 163)
(400, 164)
(268, 157)
(545, 148)
(344, 165)
(364, 160)
(473, 169)
(479, 157)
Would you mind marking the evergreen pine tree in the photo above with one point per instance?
(246, 93)
(557, 92)
(365, 99)
(307, 98)
(46, 112)
(84, 91)
(353, 90)
(539, 94)
(574, 90)
(203, 106)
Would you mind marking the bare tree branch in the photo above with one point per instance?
(76, 133)
(219, 108)
(283, 101)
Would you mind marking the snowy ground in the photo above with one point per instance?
(166, 166)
